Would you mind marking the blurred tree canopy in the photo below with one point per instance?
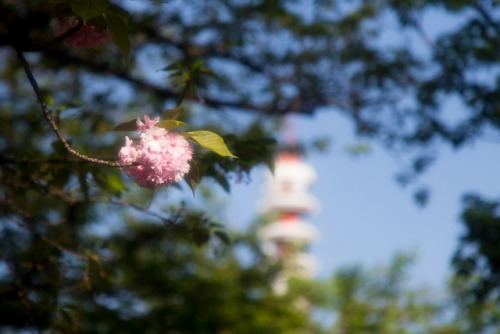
(83, 249)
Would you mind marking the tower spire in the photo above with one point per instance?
(286, 200)
(289, 134)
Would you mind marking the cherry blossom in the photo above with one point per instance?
(163, 156)
(87, 36)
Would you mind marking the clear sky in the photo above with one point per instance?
(366, 216)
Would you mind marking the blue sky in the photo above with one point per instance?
(366, 216)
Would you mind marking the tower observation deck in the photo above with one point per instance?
(286, 201)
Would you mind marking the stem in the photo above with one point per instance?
(43, 103)
(48, 117)
(55, 40)
(487, 17)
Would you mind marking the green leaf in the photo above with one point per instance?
(88, 9)
(222, 237)
(173, 113)
(109, 182)
(119, 33)
(215, 225)
(170, 124)
(120, 12)
(209, 140)
(115, 183)
(270, 163)
(127, 126)
(223, 182)
(193, 177)
(49, 98)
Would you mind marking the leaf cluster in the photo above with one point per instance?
(262, 58)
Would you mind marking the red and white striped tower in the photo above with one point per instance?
(286, 201)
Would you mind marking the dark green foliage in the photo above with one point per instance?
(79, 251)
(477, 257)
(156, 282)
(477, 265)
(147, 278)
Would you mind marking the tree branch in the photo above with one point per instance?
(487, 17)
(43, 103)
(46, 114)
(56, 40)
(165, 93)
(40, 161)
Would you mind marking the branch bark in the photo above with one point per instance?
(53, 125)
(43, 103)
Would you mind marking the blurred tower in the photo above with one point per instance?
(286, 200)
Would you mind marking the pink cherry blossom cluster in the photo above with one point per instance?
(163, 156)
(87, 36)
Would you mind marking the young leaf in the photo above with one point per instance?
(88, 9)
(119, 33)
(209, 140)
(170, 124)
(173, 113)
(49, 98)
(193, 177)
(115, 184)
(127, 126)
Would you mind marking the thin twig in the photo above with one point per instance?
(39, 161)
(63, 196)
(56, 40)
(101, 67)
(487, 17)
(421, 31)
(46, 114)
(62, 248)
(43, 103)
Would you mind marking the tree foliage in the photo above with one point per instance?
(82, 249)
(477, 263)
(380, 301)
